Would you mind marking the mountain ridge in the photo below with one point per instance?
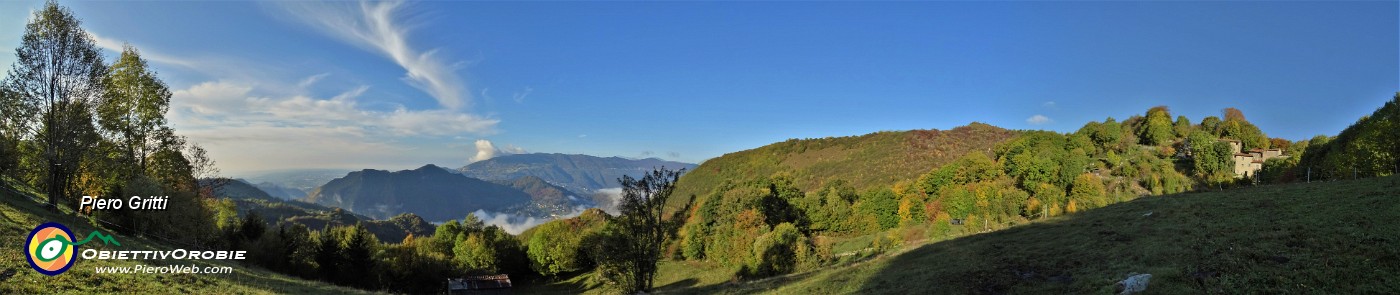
(429, 191)
(575, 172)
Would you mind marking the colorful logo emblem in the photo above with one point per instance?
(50, 248)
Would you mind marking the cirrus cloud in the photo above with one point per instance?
(377, 27)
(251, 115)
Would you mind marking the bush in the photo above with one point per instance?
(775, 252)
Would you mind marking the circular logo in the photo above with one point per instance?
(50, 248)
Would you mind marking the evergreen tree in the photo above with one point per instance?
(327, 255)
(358, 251)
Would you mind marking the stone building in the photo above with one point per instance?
(1248, 163)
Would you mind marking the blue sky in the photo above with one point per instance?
(390, 85)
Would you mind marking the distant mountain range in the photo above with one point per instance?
(279, 191)
(303, 180)
(524, 185)
(239, 189)
(248, 198)
(432, 192)
(580, 173)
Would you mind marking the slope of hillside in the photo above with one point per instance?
(430, 191)
(19, 215)
(867, 161)
(548, 198)
(579, 173)
(1324, 238)
(240, 189)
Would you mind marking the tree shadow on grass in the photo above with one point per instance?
(682, 284)
(1265, 239)
(737, 287)
(566, 283)
(1074, 253)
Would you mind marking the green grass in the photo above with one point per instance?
(1320, 238)
(853, 244)
(19, 215)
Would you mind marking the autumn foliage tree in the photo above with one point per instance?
(56, 81)
(1236, 127)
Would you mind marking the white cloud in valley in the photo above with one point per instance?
(516, 224)
(613, 197)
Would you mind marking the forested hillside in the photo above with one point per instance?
(867, 161)
(1368, 148)
(779, 208)
(547, 199)
(1326, 238)
(740, 232)
(429, 191)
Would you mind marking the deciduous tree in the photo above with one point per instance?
(58, 76)
(1156, 129)
(632, 243)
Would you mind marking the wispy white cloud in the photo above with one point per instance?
(1049, 105)
(252, 116)
(235, 100)
(512, 149)
(211, 66)
(1039, 120)
(118, 46)
(519, 97)
(247, 127)
(308, 81)
(257, 116)
(378, 27)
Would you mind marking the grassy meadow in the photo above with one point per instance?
(1319, 238)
